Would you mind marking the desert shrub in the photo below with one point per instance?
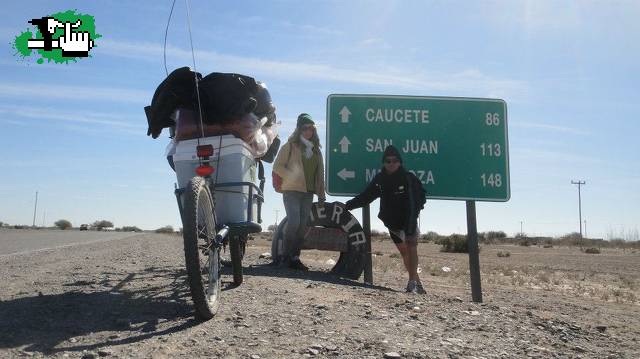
(492, 235)
(376, 233)
(592, 250)
(627, 281)
(165, 229)
(102, 224)
(430, 236)
(1, 224)
(543, 277)
(571, 239)
(129, 229)
(525, 242)
(63, 224)
(455, 243)
(503, 254)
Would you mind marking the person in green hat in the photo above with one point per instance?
(298, 173)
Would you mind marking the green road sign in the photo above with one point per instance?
(458, 147)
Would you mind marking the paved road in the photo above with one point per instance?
(25, 241)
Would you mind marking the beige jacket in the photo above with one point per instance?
(290, 168)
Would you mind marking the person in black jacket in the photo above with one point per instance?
(401, 199)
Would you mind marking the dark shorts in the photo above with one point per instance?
(399, 236)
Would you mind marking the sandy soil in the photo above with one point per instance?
(128, 298)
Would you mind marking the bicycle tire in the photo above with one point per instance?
(237, 246)
(202, 256)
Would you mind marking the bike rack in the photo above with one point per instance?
(236, 228)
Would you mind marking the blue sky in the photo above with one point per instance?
(569, 72)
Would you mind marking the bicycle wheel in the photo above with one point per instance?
(202, 255)
(237, 246)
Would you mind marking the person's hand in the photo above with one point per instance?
(75, 41)
(342, 205)
(321, 202)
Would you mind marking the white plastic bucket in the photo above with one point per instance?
(236, 165)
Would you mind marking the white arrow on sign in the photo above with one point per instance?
(344, 174)
(344, 114)
(344, 144)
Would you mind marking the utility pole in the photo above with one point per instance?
(521, 228)
(35, 207)
(277, 211)
(579, 183)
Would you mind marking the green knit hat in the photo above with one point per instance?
(304, 119)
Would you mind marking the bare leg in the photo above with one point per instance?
(412, 249)
(409, 253)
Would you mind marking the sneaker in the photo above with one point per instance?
(415, 287)
(411, 286)
(298, 265)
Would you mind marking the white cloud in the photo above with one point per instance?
(109, 94)
(376, 42)
(468, 80)
(528, 154)
(93, 118)
(553, 128)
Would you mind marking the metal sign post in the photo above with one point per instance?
(368, 262)
(457, 147)
(474, 259)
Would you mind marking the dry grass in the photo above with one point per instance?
(611, 276)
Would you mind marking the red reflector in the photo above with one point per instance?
(205, 150)
(204, 170)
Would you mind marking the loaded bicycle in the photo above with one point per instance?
(217, 148)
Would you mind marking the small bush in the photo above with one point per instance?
(490, 235)
(525, 242)
(573, 239)
(63, 224)
(165, 229)
(592, 250)
(430, 236)
(102, 224)
(376, 233)
(455, 243)
(129, 229)
(503, 254)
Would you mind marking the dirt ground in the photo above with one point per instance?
(128, 299)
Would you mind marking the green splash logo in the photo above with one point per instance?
(58, 38)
